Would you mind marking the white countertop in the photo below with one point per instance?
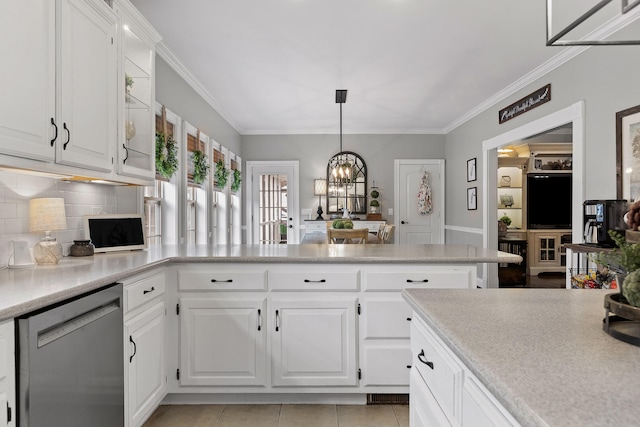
(541, 352)
(24, 290)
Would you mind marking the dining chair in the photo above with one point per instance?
(341, 235)
(385, 235)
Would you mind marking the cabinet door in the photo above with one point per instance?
(7, 375)
(27, 78)
(86, 85)
(145, 374)
(136, 141)
(314, 342)
(222, 342)
(423, 406)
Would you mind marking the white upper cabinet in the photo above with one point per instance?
(27, 78)
(136, 93)
(86, 87)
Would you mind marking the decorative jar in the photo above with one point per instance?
(81, 248)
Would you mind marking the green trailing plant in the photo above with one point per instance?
(200, 167)
(166, 155)
(237, 180)
(222, 174)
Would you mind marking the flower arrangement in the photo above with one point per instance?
(200, 167)
(166, 155)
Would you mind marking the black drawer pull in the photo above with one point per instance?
(417, 281)
(423, 359)
(408, 366)
(314, 281)
(221, 281)
(148, 291)
(408, 319)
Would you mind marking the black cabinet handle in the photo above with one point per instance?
(221, 281)
(53, 122)
(408, 319)
(148, 291)
(314, 281)
(277, 320)
(417, 281)
(135, 348)
(259, 319)
(64, 126)
(408, 366)
(127, 156)
(404, 222)
(423, 359)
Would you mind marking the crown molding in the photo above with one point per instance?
(173, 61)
(363, 132)
(612, 26)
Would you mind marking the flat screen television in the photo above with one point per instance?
(548, 201)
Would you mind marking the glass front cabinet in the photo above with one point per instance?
(136, 147)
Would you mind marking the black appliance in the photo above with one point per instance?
(600, 216)
(549, 201)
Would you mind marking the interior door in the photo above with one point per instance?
(273, 203)
(414, 223)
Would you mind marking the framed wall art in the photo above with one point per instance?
(472, 198)
(628, 154)
(471, 170)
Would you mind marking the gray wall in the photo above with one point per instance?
(175, 94)
(314, 151)
(602, 76)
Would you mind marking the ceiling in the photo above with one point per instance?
(410, 66)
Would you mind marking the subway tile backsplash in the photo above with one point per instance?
(80, 199)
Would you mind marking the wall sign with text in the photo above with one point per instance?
(525, 104)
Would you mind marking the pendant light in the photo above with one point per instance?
(343, 169)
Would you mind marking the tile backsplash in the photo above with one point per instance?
(79, 198)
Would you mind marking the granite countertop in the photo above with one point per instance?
(24, 290)
(541, 352)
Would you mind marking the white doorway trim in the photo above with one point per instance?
(573, 114)
(293, 201)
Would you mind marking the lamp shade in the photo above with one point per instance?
(47, 214)
(319, 187)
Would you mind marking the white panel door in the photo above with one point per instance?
(314, 342)
(27, 78)
(412, 226)
(87, 85)
(222, 342)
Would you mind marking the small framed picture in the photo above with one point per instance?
(472, 199)
(471, 170)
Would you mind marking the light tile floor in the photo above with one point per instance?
(280, 416)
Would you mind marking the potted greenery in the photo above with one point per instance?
(200, 167)
(503, 223)
(237, 180)
(374, 204)
(128, 84)
(166, 155)
(624, 261)
(222, 174)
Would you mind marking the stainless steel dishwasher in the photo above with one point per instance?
(70, 363)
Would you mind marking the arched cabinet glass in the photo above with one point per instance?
(346, 184)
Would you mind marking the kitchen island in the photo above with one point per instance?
(25, 290)
(541, 353)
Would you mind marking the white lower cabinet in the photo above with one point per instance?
(223, 342)
(144, 344)
(443, 390)
(314, 342)
(7, 374)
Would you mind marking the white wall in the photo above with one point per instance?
(314, 151)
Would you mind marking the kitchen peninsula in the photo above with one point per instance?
(535, 357)
(299, 323)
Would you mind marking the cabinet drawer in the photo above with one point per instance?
(480, 409)
(316, 227)
(223, 279)
(424, 408)
(393, 278)
(439, 370)
(298, 278)
(141, 291)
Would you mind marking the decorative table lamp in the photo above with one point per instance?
(319, 189)
(47, 214)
